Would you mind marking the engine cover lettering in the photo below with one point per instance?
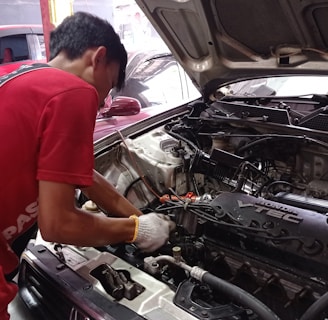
(278, 213)
(276, 206)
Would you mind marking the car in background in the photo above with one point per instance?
(20, 44)
(243, 172)
(153, 77)
(156, 80)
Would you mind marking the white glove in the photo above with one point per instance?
(153, 231)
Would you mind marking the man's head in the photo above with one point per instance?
(85, 36)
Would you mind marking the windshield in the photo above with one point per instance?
(279, 86)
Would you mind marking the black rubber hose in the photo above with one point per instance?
(314, 311)
(240, 296)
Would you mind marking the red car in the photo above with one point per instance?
(155, 82)
(123, 111)
(20, 44)
(154, 78)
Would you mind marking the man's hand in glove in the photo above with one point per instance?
(152, 231)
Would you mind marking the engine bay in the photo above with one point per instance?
(248, 190)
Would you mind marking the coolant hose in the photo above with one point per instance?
(235, 293)
(314, 311)
(240, 296)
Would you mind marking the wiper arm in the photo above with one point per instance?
(318, 100)
(313, 114)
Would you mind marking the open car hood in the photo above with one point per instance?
(219, 41)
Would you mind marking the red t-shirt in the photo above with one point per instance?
(47, 118)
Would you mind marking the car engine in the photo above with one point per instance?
(248, 191)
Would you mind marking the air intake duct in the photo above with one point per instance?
(218, 165)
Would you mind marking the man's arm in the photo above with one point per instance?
(60, 221)
(108, 198)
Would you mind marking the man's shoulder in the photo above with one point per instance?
(60, 74)
(46, 81)
(56, 78)
(20, 71)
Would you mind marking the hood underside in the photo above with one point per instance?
(218, 41)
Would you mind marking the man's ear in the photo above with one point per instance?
(99, 56)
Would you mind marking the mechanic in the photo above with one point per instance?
(47, 118)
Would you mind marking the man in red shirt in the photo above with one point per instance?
(47, 118)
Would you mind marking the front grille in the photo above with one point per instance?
(43, 299)
(51, 290)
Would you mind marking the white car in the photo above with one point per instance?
(243, 172)
(20, 44)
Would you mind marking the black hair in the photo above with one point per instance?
(82, 31)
